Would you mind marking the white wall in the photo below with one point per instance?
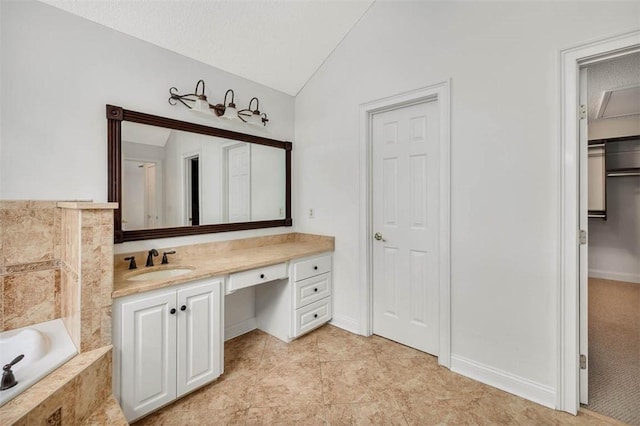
(58, 73)
(503, 62)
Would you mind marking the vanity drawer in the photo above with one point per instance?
(312, 267)
(256, 276)
(312, 316)
(311, 289)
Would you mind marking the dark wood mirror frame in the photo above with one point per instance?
(116, 115)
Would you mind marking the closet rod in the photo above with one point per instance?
(623, 174)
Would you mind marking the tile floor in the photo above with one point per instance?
(332, 377)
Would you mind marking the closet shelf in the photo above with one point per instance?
(623, 172)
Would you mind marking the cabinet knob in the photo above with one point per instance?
(172, 311)
(315, 289)
(315, 315)
(183, 307)
(315, 268)
(262, 276)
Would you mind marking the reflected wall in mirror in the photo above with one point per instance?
(175, 178)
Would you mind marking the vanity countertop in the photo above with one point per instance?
(215, 259)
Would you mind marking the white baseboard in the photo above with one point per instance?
(508, 382)
(240, 328)
(346, 323)
(616, 276)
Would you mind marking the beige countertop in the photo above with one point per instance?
(216, 259)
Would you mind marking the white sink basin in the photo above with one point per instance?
(160, 274)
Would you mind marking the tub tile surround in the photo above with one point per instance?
(31, 298)
(56, 261)
(218, 258)
(29, 262)
(80, 388)
(86, 263)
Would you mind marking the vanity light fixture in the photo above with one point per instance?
(253, 116)
(198, 102)
(230, 111)
(199, 99)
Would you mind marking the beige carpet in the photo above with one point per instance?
(614, 349)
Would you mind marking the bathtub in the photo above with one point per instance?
(46, 346)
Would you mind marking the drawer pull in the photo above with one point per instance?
(315, 315)
(315, 289)
(315, 268)
(262, 276)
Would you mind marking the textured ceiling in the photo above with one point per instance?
(276, 43)
(617, 73)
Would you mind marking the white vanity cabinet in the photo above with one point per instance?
(292, 307)
(167, 343)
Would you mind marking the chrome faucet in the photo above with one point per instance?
(152, 252)
(8, 379)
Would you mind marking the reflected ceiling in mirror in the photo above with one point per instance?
(175, 178)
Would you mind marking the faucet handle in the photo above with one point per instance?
(132, 263)
(14, 362)
(8, 379)
(165, 260)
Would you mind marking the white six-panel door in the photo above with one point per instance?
(405, 171)
(199, 336)
(239, 183)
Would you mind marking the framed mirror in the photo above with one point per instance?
(174, 178)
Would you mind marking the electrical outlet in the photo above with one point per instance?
(312, 213)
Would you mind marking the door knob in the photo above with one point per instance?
(378, 236)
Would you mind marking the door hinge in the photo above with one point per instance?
(583, 237)
(583, 362)
(583, 112)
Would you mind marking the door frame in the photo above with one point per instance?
(568, 339)
(440, 92)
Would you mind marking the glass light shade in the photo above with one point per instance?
(201, 106)
(255, 119)
(230, 113)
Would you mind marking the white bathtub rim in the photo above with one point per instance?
(62, 350)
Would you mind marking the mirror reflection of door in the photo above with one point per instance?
(238, 191)
(141, 184)
(192, 190)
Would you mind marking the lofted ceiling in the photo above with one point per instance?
(276, 43)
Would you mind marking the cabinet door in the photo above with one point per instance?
(148, 376)
(199, 335)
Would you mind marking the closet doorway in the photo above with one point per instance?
(610, 247)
